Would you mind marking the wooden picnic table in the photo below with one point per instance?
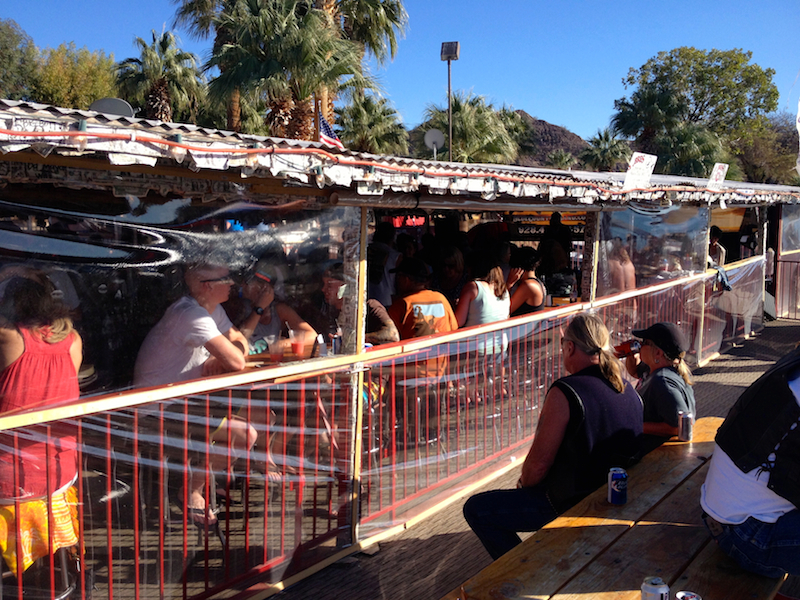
(602, 551)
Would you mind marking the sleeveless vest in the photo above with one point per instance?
(604, 431)
(767, 415)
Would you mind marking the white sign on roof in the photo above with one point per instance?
(640, 169)
(717, 176)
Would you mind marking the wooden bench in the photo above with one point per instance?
(598, 550)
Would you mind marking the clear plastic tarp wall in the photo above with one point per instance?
(118, 275)
(650, 247)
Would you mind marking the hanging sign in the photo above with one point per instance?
(717, 177)
(640, 169)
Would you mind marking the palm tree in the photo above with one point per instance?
(375, 25)
(689, 150)
(651, 111)
(560, 159)
(199, 17)
(162, 78)
(479, 131)
(369, 124)
(284, 50)
(606, 151)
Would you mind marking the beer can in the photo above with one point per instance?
(628, 348)
(655, 588)
(685, 424)
(617, 486)
(685, 595)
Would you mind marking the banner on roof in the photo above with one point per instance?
(640, 168)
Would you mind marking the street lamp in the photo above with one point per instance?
(450, 51)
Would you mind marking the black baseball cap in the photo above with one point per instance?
(413, 268)
(666, 336)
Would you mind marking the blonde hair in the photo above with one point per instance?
(591, 336)
(683, 369)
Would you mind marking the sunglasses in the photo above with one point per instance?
(225, 279)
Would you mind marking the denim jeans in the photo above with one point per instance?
(497, 516)
(769, 549)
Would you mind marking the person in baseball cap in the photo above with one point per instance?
(665, 336)
(666, 381)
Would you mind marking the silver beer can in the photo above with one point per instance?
(655, 588)
(686, 595)
(685, 424)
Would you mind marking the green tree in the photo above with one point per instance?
(285, 50)
(718, 89)
(479, 131)
(201, 20)
(163, 78)
(71, 77)
(374, 25)
(561, 159)
(770, 155)
(18, 58)
(606, 152)
(651, 111)
(369, 124)
(689, 150)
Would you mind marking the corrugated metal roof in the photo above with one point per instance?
(354, 176)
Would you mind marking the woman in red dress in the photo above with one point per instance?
(40, 354)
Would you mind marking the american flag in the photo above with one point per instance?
(327, 135)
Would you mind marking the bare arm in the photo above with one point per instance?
(631, 363)
(289, 315)
(76, 352)
(387, 333)
(11, 344)
(549, 435)
(226, 354)
(248, 326)
(468, 294)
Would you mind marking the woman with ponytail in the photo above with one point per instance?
(666, 380)
(590, 421)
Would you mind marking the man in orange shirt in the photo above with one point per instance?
(418, 312)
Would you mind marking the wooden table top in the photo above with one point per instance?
(604, 551)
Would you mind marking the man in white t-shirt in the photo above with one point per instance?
(752, 490)
(195, 336)
(193, 339)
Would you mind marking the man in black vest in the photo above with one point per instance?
(752, 489)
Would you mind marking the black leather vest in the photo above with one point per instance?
(766, 419)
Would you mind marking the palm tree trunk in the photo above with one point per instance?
(235, 111)
(301, 125)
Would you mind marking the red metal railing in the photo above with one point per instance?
(436, 415)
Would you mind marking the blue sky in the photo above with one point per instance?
(559, 61)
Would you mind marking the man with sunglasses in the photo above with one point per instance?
(195, 337)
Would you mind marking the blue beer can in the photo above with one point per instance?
(617, 486)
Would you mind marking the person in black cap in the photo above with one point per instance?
(666, 380)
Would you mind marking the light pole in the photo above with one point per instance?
(450, 52)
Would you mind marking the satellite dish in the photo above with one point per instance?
(112, 106)
(434, 139)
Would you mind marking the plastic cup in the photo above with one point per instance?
(275, 349)
(297, 347)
